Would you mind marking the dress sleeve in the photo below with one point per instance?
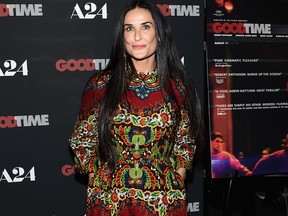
(184, 148)
(84, 139)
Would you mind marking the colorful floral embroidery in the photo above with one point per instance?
(143, 84)
(152, 140)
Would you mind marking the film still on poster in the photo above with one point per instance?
(247, 73)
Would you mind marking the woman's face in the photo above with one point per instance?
(139, 34)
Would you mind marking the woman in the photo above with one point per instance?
(138, 121)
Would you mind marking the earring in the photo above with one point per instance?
(125, 62)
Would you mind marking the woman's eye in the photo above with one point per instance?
(128, 28)
(145, 27)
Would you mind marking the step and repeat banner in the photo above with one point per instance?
(247, 43)
(48, 50)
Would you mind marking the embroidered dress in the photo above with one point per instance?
(152, 140)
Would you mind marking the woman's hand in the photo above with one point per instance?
(182, 172)
(90, 176)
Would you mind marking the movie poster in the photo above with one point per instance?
(247, 66)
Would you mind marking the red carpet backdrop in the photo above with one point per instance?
(48, 50)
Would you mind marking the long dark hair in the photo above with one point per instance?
(169, 67)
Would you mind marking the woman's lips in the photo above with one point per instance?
(138, 46)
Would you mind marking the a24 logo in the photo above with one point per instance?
(90, 11)
(18, 174)
(12, 68)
